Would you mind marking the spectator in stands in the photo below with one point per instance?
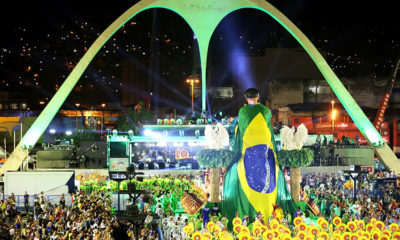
(26, 201)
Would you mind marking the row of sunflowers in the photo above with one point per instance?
(353, 230)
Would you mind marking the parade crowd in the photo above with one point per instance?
(91, 215)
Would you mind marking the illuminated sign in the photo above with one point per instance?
(118, 164)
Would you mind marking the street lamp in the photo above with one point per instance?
(333, 116)
(192, 80)
(102, 118)
(76, 119)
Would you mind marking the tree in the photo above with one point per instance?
(295, 156)
(295, 159)
(215, 157)
(132, 120)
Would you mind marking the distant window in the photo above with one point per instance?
(14, 106)
(324, 90)
(23, 106)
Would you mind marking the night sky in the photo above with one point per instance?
(41, 41)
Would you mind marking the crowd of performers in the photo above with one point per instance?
(91, 215)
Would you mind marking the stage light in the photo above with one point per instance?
(52, 131)
(148, 132)
(130, 132)
(177, 144)
(114, 132)
(161, 144)
(68, 133)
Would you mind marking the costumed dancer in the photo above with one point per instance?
(206, 215)
(253, 180)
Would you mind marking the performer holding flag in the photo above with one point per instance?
(254, 181)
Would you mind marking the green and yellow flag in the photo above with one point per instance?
(251, 183)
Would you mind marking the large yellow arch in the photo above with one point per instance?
(203, 17)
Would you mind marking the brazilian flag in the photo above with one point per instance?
(254, 182)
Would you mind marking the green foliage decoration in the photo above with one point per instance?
(296, 158)
(214, 158)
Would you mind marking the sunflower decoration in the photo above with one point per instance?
(245, 230)
(302, 226)
(386, 232)
(385, 237)
(216, 230)
(286, 237)
(237, 221)
(257, 230)
(297, 221)
(287, 231)
(324, 236)
(281, 228)
(348, 184)
(352, 226)
(188, 229)
(341, 227)
(380, 225)
(336, 236)
(268, 235)
(353, 236)
(244, 236)
(237, 228)
(210, 226)
(376, 235)
(253, 238)
(373, 221)
(360, 233)
(367, 235)
(360, 224)
(223, 235)
(301, 235)
(263, 228)
(323, 224)
(396, 236)
(277, 233)
(274, 224)
(393, 227)
(345, 236)
(197, 236)
(370, 227)
(207, 235)
(337, 221)
(319, 220)
(314, 230)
